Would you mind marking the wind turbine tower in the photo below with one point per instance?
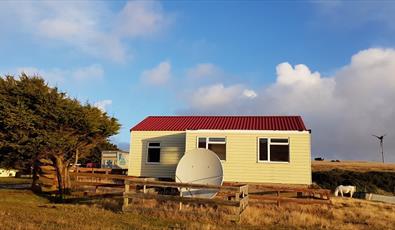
(381, 148)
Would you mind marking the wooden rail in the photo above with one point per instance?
(278, 199)
(239, 200)
(94, 170)
(237, 195)
(303, 195)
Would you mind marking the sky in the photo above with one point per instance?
(332, 62)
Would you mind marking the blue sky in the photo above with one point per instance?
(321, 60)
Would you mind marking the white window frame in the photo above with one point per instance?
(269, 143)
(153, 147)
(212, 142)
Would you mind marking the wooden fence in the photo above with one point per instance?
(237, 195)
(93, 170)
(231, 194)
(300, 195)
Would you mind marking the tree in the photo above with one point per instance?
(38, 121)
(19, 131)
(95, 153)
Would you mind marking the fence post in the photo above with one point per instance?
(126, 196)
(278, 198)
(180, 201)
(299, 194)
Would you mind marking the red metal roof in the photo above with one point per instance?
(182, 123)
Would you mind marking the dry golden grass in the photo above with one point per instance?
(358, 166)
(13, 180)
(20, 209)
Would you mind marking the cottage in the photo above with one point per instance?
(260, 149)
(114, 159)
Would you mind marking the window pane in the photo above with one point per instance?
(278, 140)
(263, 149)
(219, 149)
(202, 142)
(153, 155)
(279, 153)
(216, 139)
(154, 144)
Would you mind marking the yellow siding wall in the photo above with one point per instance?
(241, 158)
(172, 149)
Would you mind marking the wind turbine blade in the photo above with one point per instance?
(375, 136)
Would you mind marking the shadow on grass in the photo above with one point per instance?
(109, 201)
(15, 186)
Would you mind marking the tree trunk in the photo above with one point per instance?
(67, 180)
(62, 175)
(35, 185)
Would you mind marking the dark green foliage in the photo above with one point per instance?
(365, 181)
(40, 122)
(19, 137)
(95, 153)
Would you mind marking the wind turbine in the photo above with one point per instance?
(381, 139)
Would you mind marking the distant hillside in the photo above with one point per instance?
(358, 166)
(372, 177)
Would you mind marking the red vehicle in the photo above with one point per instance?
(92, 165)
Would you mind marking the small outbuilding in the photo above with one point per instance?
(8, 172)
(114, 159)
(257, 149)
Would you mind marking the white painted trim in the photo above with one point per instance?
(247, 131)
(269, 143)
(207, 143)
(152, 163)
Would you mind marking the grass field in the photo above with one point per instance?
(372, 177)
(12, 180)
(21, 209)
(358, 166)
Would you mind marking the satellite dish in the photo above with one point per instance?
(199, 166)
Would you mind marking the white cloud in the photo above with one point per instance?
(209, 97)
(92, 72)
(141, 18)
(342, 110)
(159, 75)
(91, 27)
(297, 88)
(56, 76)
(102, 105)
(352, 14)
(53, 76)
(204, 70)
(250, 93)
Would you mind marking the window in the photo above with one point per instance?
(202, 142)
(153, 155)
(263, 149)
(273, 149)
(215, 144)
(279, 150)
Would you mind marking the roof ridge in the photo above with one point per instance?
(223, 122)
(225, 116)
